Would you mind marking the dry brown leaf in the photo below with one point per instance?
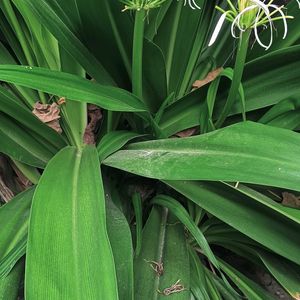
(48, 114)
(94, 116)
(5, 192)
(211, 76)
(296, 296)
(290, 200)
(23, 181)
(186, 133)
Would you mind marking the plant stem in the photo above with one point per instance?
(137, 54)
(118, 39)
(237, 76)
(137, 61)
(172, 41)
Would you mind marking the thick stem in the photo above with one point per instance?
(237, 76)
(137, 54)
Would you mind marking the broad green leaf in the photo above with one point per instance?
(121, 243)
(72, 87)
(68, 252)
(163, 243)
(114, 141)
(288, 212)
(253, 219)
(21, 145)
(9, 286)
(244, 152)
(275, 72)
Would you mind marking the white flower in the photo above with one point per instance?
(253, 14)
(192, 4)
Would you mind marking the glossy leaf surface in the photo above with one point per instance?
(246, 152)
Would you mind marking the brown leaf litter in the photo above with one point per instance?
(290, 200)
(94, 116)
(48, 114)
(211, 76)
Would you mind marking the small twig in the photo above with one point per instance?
(175, 288)
(158, 267)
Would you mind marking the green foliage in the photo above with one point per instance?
(194, 159)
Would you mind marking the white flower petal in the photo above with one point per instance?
(192, 4)
(283, 19)
(236, 21)
(217, 29)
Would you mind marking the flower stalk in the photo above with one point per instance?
(137, 54)
(237, 76)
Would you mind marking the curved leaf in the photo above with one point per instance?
(114, 141)
(21, 145)
(68, 252)
(72, 87)
(245, 152)
(255, 220)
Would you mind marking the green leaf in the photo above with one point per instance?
(121, 243)
(163, 242)
(276, 72)
(251, 289)
(9, 286)
(68, 40)
(287, 274)
(72, 87)
(13, 237)
(244, 152)
(68, 243)
(10, 106)
(114, 141)
(179, 211)
(21, 145)
(154, 73)
(255, 220)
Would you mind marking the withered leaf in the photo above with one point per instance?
(48, 114)
(290, 200)
(94, 116)
(186, 133)
(211, 76)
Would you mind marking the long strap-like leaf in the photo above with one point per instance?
(68, 253)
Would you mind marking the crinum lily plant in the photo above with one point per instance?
(134, 171)
(246, 17)
(251, 14)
